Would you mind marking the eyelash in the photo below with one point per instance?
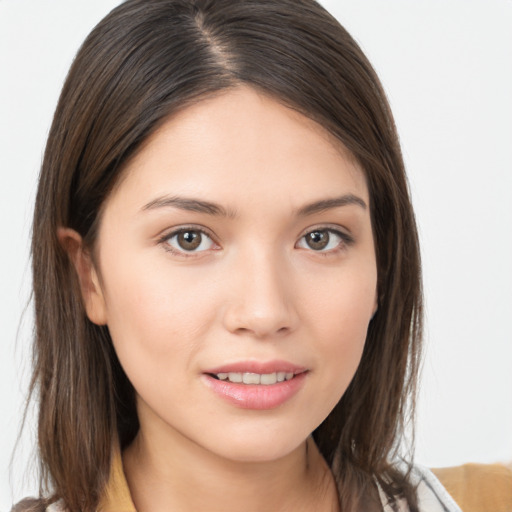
(165, 241)
(346, 240)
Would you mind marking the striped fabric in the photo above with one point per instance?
(432, 496)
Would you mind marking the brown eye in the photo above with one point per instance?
(324, 240)
(189, 241)
(317, 240)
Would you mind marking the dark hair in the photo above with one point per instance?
(141, 64)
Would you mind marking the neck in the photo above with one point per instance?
(183, 476)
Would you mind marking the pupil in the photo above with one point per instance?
(189, 240)
(318, 240)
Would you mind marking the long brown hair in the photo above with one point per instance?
(142, 63)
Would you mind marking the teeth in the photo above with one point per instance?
(266, 379)
(251, 378)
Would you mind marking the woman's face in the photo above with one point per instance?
(237, 247)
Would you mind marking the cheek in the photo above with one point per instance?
(155, 319)
(341, 317)
(343, 302)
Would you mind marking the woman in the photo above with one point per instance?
(226, 270)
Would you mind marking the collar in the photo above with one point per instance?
(116, 496)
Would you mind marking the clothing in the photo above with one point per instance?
(433, 497)
(479, 487)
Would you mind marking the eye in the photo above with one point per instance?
(323, 240)
(188, 240)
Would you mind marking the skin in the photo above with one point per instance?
(254, 290)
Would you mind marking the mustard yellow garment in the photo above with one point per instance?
(478, 487)
(116, 497)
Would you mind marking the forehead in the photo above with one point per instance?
(241, 147)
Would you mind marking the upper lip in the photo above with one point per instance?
(258, 367)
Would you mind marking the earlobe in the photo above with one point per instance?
(90, 286)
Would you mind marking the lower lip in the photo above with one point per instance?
(256, 396)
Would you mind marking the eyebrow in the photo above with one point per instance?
(328, 204)
(201, 206)
(189, 204)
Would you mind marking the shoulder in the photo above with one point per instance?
(37, 505)
(30, 505)
(479, 486)
(56, 507)
(432, 495)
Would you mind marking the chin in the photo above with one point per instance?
(260, 452)
(258, 447)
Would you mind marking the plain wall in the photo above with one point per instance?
(447, 68)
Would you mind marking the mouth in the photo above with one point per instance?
(256, 373)
(264, 379)
(257, 386)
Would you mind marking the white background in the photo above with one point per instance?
(447, 68)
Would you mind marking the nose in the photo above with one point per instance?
(262, 299)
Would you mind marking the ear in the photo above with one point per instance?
(92, 293)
